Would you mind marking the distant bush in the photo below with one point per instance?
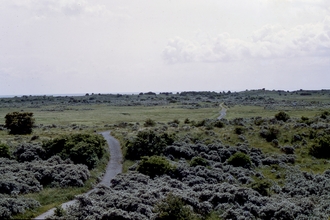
(324, 114)
(147, 143)
(187, 121)
(80, 148)
(270, 134)
(282, 116)
(322, 148)
(154, 166)
(19, 122)
(4, 150)
(172, 207)
(262, 187)
(149, 123)
(239, 159)
(198, 161)
(218, 124)
(239, 130)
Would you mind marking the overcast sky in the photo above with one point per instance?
(80, 46)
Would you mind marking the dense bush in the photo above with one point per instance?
(239, 130)
(270, 134)
(80, 148)
(324, 114)
(4, 150)
(19, 122)
(29, 152)
(261, 186)
(14, 205)
(155, 166)
(21, 178)
(239, 159)
(282, 116)
(172, 207)
(147, 143)
(198, 161)
(322, 147)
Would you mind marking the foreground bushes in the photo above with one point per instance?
(12, 205)
(29, 177)
(147, 143)
(155, 166)
(80, 148)
(172, 207)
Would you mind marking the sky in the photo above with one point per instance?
(106, 46)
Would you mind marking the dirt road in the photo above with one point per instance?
(113, 168)
(222, 111)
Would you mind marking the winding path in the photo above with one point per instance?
(222, 111)
(113, 168)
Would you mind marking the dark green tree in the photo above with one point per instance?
(19, 122)
(282, 116)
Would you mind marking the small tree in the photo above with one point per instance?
(322, 148)
(19, 122)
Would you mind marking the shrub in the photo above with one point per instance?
(154, 166)
(147, 143)
(29, 152)
(270, 134)
(219, 124)
(19, 122)
(149, 123)
(187, 121)
(262, 187)
(4, 151)
(198, 161)
(172, 207)
(10, 206)
(324, 114)
(239, 130)
(239, 159)
(80, 148)
(322, 148)
(282, 116)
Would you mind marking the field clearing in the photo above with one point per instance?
(247, 111)
(101, 114)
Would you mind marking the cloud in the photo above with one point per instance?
(270, 41)
(48, 8)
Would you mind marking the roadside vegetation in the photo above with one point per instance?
(269, 155)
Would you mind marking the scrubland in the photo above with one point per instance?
(267, 159)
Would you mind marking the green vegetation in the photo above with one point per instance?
(4, 150)
(172, 207)
(282, 116)
(80, 148)
(262, 187)
(20, 122)
(321, 149)
(198, 161)
(239, 159)
(147, 143)
(155, 166)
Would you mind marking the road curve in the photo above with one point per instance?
(113, 168)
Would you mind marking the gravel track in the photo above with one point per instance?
(222, 112)
(113, 168)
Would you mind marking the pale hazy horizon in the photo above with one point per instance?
(84, 46)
